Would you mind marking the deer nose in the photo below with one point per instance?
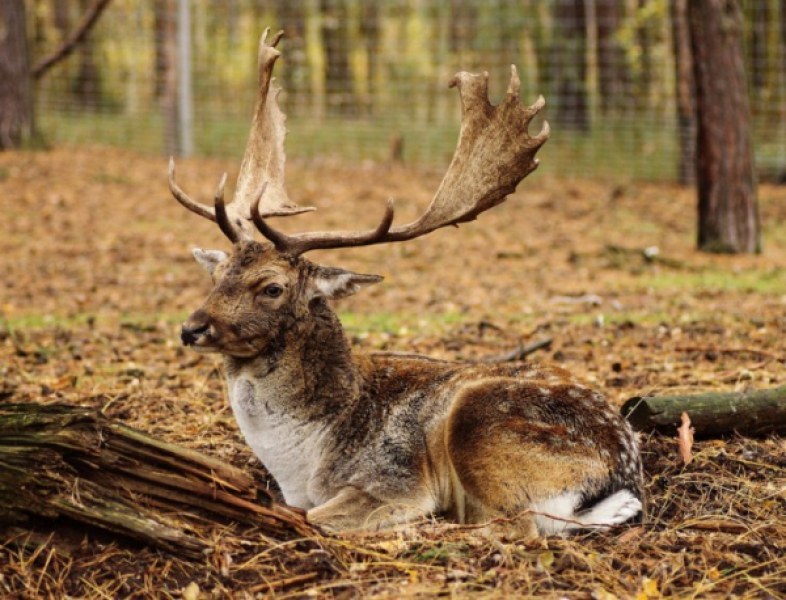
(189, 335)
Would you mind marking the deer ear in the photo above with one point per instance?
(209, 259)
(329, 282)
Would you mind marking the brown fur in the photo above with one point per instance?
(371, 440)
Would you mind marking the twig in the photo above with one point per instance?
(520, 353)
(282, 583)
(72, 41)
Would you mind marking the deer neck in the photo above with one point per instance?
(285, 399)
(309, 366)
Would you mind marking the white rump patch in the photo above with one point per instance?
(558, 514)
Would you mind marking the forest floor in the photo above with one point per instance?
(97, 276)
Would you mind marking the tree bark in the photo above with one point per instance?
(70, 462)
(613, 75)
(168, 61)
(16, 101)
(728, 208)
(87, 86)
(758, 412)
(77, 36)
(338, 75)
(570, 40)
(685, 92)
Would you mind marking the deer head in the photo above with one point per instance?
(265, 289)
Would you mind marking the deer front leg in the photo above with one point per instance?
(353, 509)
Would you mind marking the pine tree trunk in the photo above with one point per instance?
(728, 208)
(570, 43)
(16, 102)
(685, 92)
(613, 75)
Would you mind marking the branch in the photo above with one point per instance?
(755, 412)
(67, 461)
(519, 353)
(72, 41)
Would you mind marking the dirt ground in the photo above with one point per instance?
(97, 275)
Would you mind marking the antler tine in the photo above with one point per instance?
(494, 153)
(197, 207)
(298, 244)
(222, 218)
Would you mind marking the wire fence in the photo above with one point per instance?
(367, 80)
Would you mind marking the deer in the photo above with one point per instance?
(372, 440)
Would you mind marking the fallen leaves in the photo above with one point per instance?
(92, 319)
(685, 439)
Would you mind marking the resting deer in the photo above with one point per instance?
(363, 441)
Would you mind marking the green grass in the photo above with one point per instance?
(619, 149)
(772, 281)
(140, 321)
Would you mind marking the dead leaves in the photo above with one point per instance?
(685, 439)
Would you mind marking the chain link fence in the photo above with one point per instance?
(366, 80)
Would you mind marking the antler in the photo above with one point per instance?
(495, 152)
(263, 161)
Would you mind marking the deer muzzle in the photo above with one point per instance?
(197, 326)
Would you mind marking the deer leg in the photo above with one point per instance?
(353, 509)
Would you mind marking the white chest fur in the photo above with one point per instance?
(289, 449)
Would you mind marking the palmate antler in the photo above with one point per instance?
(495, 152)
(263, 162)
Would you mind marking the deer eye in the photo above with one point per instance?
(273, 290)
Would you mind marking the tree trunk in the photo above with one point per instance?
(168, 62)
(570, 40)
(338, 76)
(87, 85)
(758, 412)
(685, 92)
(728, 208)
(613, 75)
(66, 462)
(162, 19)
(16, 101)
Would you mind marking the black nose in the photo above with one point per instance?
(189, 335)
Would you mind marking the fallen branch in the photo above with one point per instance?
(65, 461)
(72, 41)
(520, 353)
(755, 412)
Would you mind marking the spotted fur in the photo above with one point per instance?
(363, 441)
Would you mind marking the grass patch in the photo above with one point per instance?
(130, 321)
(620, 146)
(772, 281)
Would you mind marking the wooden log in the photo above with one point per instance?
(754, 412)
(71, 462)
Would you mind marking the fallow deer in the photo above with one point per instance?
(370, 440)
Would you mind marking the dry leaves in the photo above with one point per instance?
(685, 439)
(97, 277)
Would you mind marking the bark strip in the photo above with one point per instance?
(64, 461)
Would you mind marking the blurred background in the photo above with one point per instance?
(367, 80)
